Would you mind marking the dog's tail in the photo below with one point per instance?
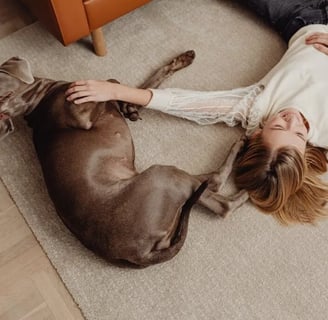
(179, 238)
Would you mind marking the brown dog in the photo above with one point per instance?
(87, 157)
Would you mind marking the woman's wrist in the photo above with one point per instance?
(133, 95)
(147, 95)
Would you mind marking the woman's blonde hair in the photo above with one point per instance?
(283, 182)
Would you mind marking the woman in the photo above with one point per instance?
(284, 115)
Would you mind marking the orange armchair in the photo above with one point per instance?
(71, 20)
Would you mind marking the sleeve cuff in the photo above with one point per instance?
(160, 100)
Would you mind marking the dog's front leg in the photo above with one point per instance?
(216, 180)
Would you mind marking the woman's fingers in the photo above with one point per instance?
(78, 95)
(319, 40)
(91, 90)
(321, 48)
(77, 86)
(83, 100)
(79, 92)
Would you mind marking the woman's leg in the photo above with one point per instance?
(288, 16)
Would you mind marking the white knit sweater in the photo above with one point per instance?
(299, 80)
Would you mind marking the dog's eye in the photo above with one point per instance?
(6, 127)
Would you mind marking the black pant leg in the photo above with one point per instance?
(272, 10)
(288, 16)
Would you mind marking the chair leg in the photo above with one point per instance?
(99, 43)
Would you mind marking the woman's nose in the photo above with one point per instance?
(292, 119)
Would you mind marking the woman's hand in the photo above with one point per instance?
(100, 90)
(319, 40)
(92, 90)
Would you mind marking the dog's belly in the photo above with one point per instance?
(79, 162)
(107, 165)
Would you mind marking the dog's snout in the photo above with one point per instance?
(3, 116)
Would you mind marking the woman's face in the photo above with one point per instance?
(287, 128)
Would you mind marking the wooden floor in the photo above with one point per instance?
(30, 288)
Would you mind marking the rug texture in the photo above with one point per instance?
(245, 266)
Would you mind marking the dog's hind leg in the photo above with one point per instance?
(216, 180)
(221, 205)
(162, 255)
(211, 198)
(181, 61)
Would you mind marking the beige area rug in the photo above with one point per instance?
(243, 267)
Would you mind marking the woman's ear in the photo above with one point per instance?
(256, 133)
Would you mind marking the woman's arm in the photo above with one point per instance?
(202, 107)
(319, 40)
(99, 90)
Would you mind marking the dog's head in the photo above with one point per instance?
(14, 74)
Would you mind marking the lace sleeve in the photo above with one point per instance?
(206, 107)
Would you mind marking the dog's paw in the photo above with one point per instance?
(130, 111)
(238, 200)
(183, 60)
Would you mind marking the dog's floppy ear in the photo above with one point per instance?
(19, 69)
